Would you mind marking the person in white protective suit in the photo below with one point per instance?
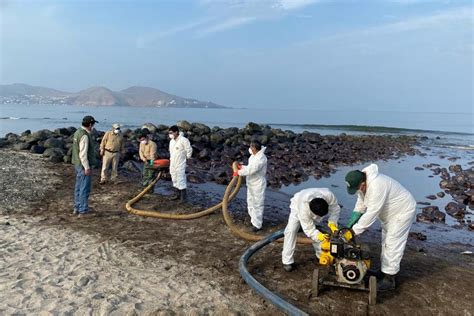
(180, 151)
(255, 173)
(308, 207)
(379, 196)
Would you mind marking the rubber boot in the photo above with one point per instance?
(387, 283)
(288, 267)
(176, 194)
(376, 272)
(182, 196)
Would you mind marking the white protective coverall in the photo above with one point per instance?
(180, 150)
(394, 206)
(300, 214)
(256, 179)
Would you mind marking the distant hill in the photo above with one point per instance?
(99, 96)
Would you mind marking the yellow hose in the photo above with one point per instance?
(229, 194)
(156, 214)
(228, 220)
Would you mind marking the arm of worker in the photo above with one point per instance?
(141, 150)
(374, 200)
(153, 150)
(104, 141)
(307, 224)
(188, 148)
(83, 148)
(334, 209)
(253, 167)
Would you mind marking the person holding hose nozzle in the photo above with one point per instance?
(255, 173)
(379, 196)
(147, 152)
(308, 207)
(180, 151)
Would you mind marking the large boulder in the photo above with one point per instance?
(22, 146)
(41, 134)
(56, 152)
(252, 128)
(62, 131)
(54, 143)
(184, 125)
(3, 142)
(455, 210)
(200, 129)
(37, 149)
(151, 127)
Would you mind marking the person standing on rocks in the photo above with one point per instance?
(84, 159)
(307, 208)
(255, 173)
(379, 196)
(147, 152)
(180, 151)
(111, 147)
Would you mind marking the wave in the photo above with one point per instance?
(369, 129)
(12, 118)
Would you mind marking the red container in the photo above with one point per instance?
(161, 163)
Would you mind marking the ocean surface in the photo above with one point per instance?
(448, 135)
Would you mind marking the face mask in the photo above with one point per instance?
(144, 142)
(171, 136)
(250, 151)
(116, 131)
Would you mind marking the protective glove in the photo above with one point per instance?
(332, 226)
(235, 174)
(354, 219)
(348, 235)
(151, 162)
(239, 166)
(322, 237)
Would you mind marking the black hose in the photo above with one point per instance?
(280, 303)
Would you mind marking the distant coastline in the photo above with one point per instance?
(136, 96)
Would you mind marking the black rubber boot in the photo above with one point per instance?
(387, 283)
(376, 272)
(182, 196)
(176, 194)
(288, 267)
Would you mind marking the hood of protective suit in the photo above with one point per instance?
(261, 152)
(371, 172)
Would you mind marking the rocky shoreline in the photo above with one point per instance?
(293, 157)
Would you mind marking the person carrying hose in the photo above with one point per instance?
(147, 152)
(308, 207)
(255, 173)
(180, 151)
(379, 196)
(111, 147)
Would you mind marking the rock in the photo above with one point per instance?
(151, 127)
(49, 152)
(67, 159)
(419, 168)
(37, 149)
(431, 197)
(440, 194)
(216, 138)
(184, 125)
(252, 128)
(193, 178)
(54, 143)
(200, 129)
(204, 154)
(455, 210)
(418, 236)
(62, 131)
(22, 146)
(131, 166)
(41, 134)
(433, 214)
(3, 142)
(423, 203)
(455, 168)
(423, 218)
(26, 133)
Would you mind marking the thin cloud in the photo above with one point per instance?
(226, 25)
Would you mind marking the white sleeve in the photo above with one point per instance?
(253, 167)
(308, 226)
(334, 210)
(360, 204)
(374, 201)
(83, 148)
(188, 148)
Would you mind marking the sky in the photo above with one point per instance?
(404, 55)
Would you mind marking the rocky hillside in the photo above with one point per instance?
(98, 96)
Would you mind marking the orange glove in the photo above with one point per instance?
(239, 166)
(235, 174)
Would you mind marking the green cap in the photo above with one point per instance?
(353, 180)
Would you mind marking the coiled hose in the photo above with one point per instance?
(280, 303)
(156, 214)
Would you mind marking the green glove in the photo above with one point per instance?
(354, 219)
